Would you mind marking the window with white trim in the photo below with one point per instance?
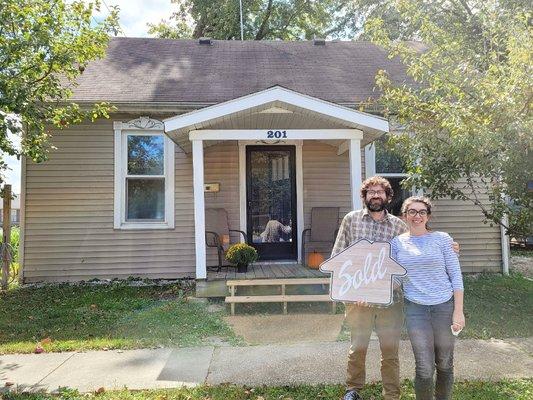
(144, 176)
(389, 165)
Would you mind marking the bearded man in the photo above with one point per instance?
(375, 224)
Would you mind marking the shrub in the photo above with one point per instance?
(241, 253)
(15, 239)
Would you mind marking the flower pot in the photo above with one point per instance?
(241, 268)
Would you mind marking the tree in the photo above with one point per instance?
(262, 19)
(468, 106)
(44, 46)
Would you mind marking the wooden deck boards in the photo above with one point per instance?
(267, 271)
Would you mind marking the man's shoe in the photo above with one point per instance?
(352, 395)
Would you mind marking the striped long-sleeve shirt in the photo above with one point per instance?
(433, 270)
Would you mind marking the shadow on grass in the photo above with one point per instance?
(82, 317)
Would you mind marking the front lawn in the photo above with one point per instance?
(496, 306)
(121, 316)
(505, 390)
(82, 317)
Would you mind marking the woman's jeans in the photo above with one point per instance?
(433, 342)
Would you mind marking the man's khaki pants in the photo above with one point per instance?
(387, 323)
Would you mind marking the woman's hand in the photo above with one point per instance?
(458, 319)
(456, 248)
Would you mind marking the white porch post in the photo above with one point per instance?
(355, 172)
(370, 160)
(199, 208)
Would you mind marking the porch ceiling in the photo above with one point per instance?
(275, 108)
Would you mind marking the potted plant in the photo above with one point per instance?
(241, 254)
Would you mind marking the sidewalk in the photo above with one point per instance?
(306, 363)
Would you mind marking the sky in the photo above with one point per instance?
(134, 17)
(136, 14)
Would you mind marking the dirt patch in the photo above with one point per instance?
(295, 328)
(523, 265)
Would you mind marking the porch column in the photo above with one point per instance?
(355, 173)
(199, 207)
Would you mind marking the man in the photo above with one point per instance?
(375, 224)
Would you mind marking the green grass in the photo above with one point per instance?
(496, 306)
(521, 252)
(505, 390)
(82, 317)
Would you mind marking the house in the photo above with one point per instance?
(266, 130)
(15, 211)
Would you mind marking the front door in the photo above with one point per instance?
(271, 201)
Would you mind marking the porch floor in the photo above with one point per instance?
(267, 270)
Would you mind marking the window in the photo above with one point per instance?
(15, 217)
(389, 165)
(144, 176)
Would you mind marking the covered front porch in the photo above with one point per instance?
(267, 270)
(312, 146)
(218, 283)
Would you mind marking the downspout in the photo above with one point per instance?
(505, 245)
(22, 222)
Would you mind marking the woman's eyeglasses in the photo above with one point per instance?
(412, 212)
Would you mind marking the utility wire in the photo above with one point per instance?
(119, 25)
(242, 26)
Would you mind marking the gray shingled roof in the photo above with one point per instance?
(183, 71)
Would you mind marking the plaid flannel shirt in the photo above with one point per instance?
(359, 224)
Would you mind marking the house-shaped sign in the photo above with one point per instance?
(364, 272)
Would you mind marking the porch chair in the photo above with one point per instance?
(323, 229)
(217, 232)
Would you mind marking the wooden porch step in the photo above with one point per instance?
(286, 281)
(282, 298)
(278, 298)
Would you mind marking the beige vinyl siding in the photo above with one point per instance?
(480, 243)
(221, 164)
(69, 233)
(326, 177)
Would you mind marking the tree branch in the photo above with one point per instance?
(479, 204)
(45, 75)
(262, 29)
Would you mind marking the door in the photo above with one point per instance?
(271, 201)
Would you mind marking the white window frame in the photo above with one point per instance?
(371, 167)
(142, 126)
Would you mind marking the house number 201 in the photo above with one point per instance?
(276, 134)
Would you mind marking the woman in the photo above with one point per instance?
(433, 291)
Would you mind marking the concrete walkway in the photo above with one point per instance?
(305, 363)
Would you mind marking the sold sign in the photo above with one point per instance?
(364, 271)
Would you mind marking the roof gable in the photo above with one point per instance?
(282, 99)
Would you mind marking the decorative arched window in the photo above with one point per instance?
(144, 175)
